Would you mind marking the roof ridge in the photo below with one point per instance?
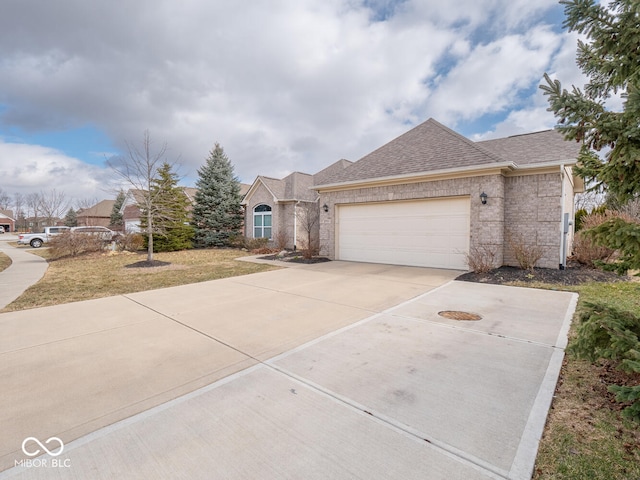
(468, 141)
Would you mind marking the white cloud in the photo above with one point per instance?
(33, 168)
(493, 76)
(281, 85)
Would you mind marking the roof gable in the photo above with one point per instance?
(428, 147)
(327, 174)
(294, 187)
(100, 209)
(298, 187)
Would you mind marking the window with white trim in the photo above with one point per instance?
(262, 221)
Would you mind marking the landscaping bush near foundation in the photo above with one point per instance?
(526, 254)
(481, 258)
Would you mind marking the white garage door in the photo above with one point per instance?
(424, 233)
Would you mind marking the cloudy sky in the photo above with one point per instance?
(282, 85)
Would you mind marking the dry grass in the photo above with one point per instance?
(102, 275)
(5, 261)
(585, 436)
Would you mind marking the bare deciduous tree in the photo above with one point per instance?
(589, 200)
(84, 203)
(18, 212)
(5, 200)
(139, 168)
(53, 205)
(308, 220)
(32, 201)
(632, 208)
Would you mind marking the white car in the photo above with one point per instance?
(103, 233)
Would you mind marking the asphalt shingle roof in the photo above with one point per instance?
(100, 209)
(532, 148)
(334, 170)
(431, 146)
(275, 185)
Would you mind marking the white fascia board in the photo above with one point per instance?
(421, 176)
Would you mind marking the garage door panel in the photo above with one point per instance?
(431, 233)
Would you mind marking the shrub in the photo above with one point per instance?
(255, 243)
(579, 216)
(587, 252)
(308, 252)
(130, 242)
(71, 244)
(620, 232)
(237, 241)
(527, 255)
(281, 240)
(481, 258)
(606, 332)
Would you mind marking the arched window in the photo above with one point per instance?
(262, 221)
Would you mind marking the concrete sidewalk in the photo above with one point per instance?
(336, 370)
(25, 270)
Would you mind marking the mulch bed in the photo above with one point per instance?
(147, 264)
(295, 257)
(574, 274)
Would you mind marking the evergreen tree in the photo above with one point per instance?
(116, 216)
(71, 218)
(170, 215)
(217, 214)
(611, 59)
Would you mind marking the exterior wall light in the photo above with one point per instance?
(483, 198)
(325, 208)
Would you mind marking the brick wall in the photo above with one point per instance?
(486, 224)
(526, 206)
(532, 214)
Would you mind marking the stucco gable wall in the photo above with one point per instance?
(533, 209)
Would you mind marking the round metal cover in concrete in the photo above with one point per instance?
(458, 315)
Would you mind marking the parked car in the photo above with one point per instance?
(105, 234)
(1, 229)
(36, 240)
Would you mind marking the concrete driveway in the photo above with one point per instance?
(336, 370)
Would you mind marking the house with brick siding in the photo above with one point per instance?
(278, 208)
(7, 221)
(431, 197)
(97, 215)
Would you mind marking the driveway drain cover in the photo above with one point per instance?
(455, 315)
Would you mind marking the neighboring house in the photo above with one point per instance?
(98, 215)
(278, 209)
(420, 199)
(37, 224)
(130, 210)
(7, 221)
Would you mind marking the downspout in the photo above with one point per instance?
(563, 226)
(295, 225)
